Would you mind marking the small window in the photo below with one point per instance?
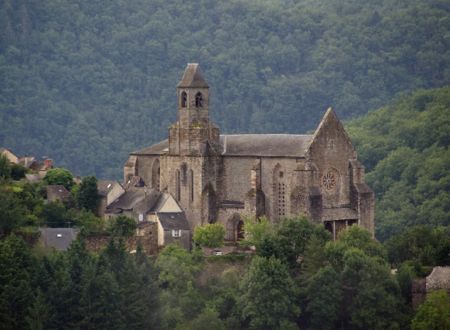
(199, 100)
(141, 217)
(176, 232)
(183, 99)
(59, 235)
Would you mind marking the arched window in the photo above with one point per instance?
(199, 100)
(183, 99)
(155, 174)
(191, 185)
(177, 185)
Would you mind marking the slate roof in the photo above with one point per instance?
(341, 213)
(171, 221)
(257, 145)
(105, 186)
(155, 149)
(57, 192)
(268, 145)
(149, 203)
(193, 77)
(58, 238)
(135, 199)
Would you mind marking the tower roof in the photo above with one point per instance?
(192, 77)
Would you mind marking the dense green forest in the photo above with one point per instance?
(86, 82)
(405, 149)
(298, 278)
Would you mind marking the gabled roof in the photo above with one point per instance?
(256, 145)
(105, 186)
(175, 221)
(57, 192)
(127, 201)
(139, 200)
(192, 77)
(329, 117)
(149, 203)
(58, 238)
(155, 149)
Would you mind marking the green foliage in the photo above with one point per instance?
(16, 274)
(349, 284)
(325, 297)
(55, 215)
(206, 320)
(17, 171)
(269, 63)
(88, 222)
(180, 298)
(210, 235)
(12, 213)
(405, 149)
(268, 295)
(422, 244)
(122, 226)
(59, 176)
(289, 239)
(256, 230)
(5, 167)
(87, 195)
(434, 313)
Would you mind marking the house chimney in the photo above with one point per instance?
(48, 164)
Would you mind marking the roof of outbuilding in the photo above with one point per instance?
(438, 279)
(259, 145)
(341, 213)
(58, 238)
(127, 201)
(193, 77)
(136, 199)
(57, 192)
(171, 221)
(105, 186)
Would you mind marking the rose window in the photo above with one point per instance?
(329, 180)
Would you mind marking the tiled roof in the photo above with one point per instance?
(438, 279)
(341, 213)
(105, 186)
(193, 77)
(171, 221)
(259, 145)
(58, 238)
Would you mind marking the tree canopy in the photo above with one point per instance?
(80, 80)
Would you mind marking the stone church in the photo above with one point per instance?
(223, 178)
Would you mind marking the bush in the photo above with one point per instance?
(210, 235)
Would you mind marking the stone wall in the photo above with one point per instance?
(146, 235)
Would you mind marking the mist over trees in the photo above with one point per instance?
(86, 82)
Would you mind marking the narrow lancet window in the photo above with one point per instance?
(199, 100)
(183, 99)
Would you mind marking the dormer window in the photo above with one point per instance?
(199, 100)
(183, 99)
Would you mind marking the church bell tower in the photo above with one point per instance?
(193, 134)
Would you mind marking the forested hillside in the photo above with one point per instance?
(405, 149)
(86, 82)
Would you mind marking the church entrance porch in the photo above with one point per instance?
(336, 226)
(235, 229)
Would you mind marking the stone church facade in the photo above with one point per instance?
(223, 178)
